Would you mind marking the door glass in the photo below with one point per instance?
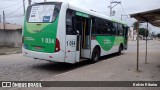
(70, 23)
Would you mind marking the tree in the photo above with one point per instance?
(135, 25)
(144, 32)
(153, 34)
(158, 35)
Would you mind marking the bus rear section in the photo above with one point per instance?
(40, 32)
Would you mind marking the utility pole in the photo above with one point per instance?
(138, 45)
(4, 27)
(0, 19)
(122, 16)
(24, 7)
(45, 0)
(111, 7)
(29, 2)
(146, 43)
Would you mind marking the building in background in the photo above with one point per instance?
(11, 36)
(9, 26)
(132, 35)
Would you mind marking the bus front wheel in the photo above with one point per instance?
(95, 55)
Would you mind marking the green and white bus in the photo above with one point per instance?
(61, 32)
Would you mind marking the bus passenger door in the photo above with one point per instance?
(86, 38)
(73, 39)
(83, 46)
(71, 55)
(78, 39)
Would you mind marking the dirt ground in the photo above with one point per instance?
(9, 50)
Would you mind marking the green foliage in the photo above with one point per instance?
(153, 34)
(158, 35)
(135, 25)
(144, 32)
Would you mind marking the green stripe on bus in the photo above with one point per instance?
(82, 14)
(107, 42)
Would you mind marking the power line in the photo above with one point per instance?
(125, 13)
(11, 5)
(122, 16)
(11, 13)
(15, 16)
(111, 7)
(24, 9)
(123, 9)
(29, 2)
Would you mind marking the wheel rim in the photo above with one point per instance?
(120, 49)
(96, 55)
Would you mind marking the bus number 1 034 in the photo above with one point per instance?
(47, 40)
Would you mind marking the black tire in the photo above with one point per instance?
(95, 55)
(120, 50)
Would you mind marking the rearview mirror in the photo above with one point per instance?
(77, 32)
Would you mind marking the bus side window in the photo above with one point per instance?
(94, 27)
(125, 31)
(111, 27)
(120, 29)
(98, 25)
(115, 29)
(69, 22)
(105, 27)
(108, 27)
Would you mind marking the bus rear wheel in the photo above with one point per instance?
(120, 50)
(95, 55)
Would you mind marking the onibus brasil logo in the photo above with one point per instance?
(18, 84)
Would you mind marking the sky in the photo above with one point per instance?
(14, 9)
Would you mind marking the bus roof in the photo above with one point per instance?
(89, 12)
(94, 13)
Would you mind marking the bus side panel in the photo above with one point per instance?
(71, 42)
(61, 28)
(104, 52)
(108, 44)
(69, 57)
(94, 43)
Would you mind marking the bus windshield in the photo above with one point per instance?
(45, 13)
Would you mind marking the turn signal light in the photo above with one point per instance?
(57, 48)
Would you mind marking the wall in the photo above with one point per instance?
(132, 34)
(10, 38)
